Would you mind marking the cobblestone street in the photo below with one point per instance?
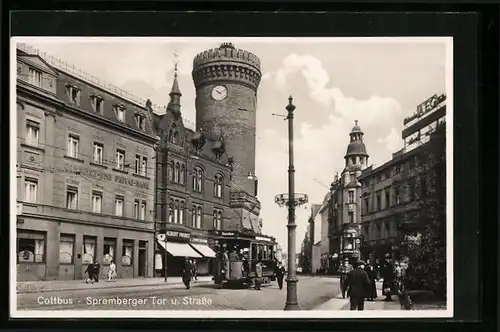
(312, 292)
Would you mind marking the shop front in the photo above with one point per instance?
(177, 246)
(204, 265)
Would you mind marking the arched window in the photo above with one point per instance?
(219, 220)
(170, 171)
(216, 214)
(198, 179)
(218, 185)
(193, 217)
(176, 212)
(175, 137)
(172, 134)
(177, 173)
(181, 213)
(183, 174)
(171, 211)
(199, 216)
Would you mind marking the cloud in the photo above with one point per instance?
(392, 141)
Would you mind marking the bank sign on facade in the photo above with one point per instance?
(104, 176)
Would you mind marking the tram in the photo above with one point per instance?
(237, 256)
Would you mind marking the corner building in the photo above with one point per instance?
(85, 177)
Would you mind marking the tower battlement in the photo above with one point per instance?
(226, 62)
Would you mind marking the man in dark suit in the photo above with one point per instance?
(358, 286)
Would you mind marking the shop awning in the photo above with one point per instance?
(179, 249)
(204, 250)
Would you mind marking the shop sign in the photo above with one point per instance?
(178, 235)
(196, 240)
(426, 107)
(227, 234)
(260, 238)
(105, 176)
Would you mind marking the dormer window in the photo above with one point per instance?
(140, 120)
(35, 77)
(98, 104)
(73, 94)
(120, 112)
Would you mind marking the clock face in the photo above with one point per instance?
(219, 92)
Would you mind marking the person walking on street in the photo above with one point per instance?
(388, 274)
(91, 273)
(280, 274)
(195, 270)
(372, 274)
(97, 270)
(112, 271)
(358, 285)
(344, 271)
(187, 273)
(258, 275)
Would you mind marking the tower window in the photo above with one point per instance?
(73, 94)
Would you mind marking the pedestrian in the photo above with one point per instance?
(97, 270)
(90, 272)
(187, 273)
(358, 285)
(344, 271)
(372, 274)
(258, 275)
(280, 274)
(388, 275)
(195, 270)
(112, 271)
(225, 262)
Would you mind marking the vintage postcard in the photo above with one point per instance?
(232, 177)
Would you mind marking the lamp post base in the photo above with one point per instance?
(291, 295)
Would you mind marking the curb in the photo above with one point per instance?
(43, 290)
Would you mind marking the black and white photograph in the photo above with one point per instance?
(231, 177)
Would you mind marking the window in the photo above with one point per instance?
(120, 159)
(387, 199)
(30, 190)
(120, 113)
(109, 250)
(170, 171)
(30, 247)
(197, 216)
(35, 77)
(119, 206)
(181, 213)
(351, 196)
(397, 169)
(127, 252)
(173, 134)
(73, 142)
(171, 211)
(387, 174)
(198, 179)
(136, 209)
(140, 121)
(379, 201)
(217, 219)
(97, 104)
(96, 202)
(397, 196)
(183, 174)
(177, 173)
(73, 94)
(412, 193)
(176, 212)
(137, 167)
(89, 248)
(351, 217)
(72, 198)
(32, 131)
(66, 248)
(218, 186)
(143, 211)
(98, 152)
(367, 205)
(144, 166)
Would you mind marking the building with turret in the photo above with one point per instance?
(344, 202)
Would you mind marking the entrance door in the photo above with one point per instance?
(142, 263)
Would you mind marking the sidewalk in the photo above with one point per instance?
(69, 285)
(338, 303)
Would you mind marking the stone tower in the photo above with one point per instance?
(226, 81)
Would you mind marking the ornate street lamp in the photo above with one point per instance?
(291, 200)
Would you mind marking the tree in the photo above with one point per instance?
(424, 239)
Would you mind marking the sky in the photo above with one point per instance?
(333, 81)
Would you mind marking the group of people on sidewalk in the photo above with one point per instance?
(94, 269)
(359, 282)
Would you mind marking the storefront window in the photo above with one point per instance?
(89, 247)
(127, 252)
(109, 250)
(66, 249)
(30, 247)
